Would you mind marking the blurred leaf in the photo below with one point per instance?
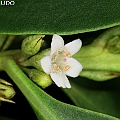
(94, 96)
(61, 16)
(5, 118)
(46, 107)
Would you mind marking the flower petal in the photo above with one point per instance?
(57, 42)
(60, 80)
(74, 46)
(46, 64)
(75, 67)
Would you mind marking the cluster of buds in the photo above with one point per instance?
(55, 63)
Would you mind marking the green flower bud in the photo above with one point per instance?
(31, 45)
(6, 91)
(40, 78)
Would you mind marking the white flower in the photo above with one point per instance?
(60, 63)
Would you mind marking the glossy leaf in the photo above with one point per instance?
(46, 107)
(95, 96)
(61, 16)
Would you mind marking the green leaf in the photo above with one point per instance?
(61, 16)
(93, 96)
(46, 107)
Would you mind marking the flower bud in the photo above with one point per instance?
(31, 45)
(40, 78)
(6, 91)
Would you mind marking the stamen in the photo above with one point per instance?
(66, 54)
(56, 56)
(66, 67)
(55, 67)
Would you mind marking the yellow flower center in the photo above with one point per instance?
(59, 61)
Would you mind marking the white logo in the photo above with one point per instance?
(7, 2)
